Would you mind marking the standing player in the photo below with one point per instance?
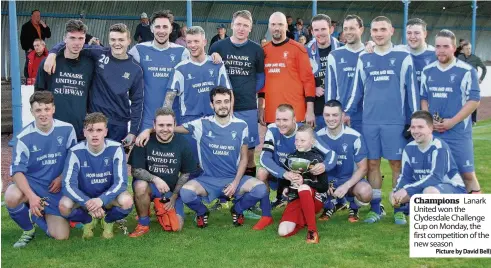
(71, 83)
(351, 166)
(319, 50)
(222, 146)
(244, 61)
(289, 78)
(118, 80)
(341, 69)
(427, 167)
(160, 169)
(95, 180)
(384, 79)
(279, 142)
(38, 156)
(450, 90)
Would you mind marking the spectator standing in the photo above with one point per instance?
(143, 32)
(31, 30)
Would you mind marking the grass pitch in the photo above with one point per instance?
(342, 244)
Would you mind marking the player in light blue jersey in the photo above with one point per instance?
(279, 142)
(157, 59)
(222, 141)
(95, 178)
(341, 67)
(428, 167)
(38, 156)
(450, 91)
(351, 166)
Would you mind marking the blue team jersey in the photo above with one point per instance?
(87, 175)
(350, 148)
(277, 147)
(432, 166)
(421, 60)
(219, 146)
(383, 82)
(447, 91)
(40, 156)
(158, 65)
(341, 67)
(193, 81)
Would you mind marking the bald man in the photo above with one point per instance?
(289, 77)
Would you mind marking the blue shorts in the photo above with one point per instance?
(214, 186)
(250, 117)
(447, 188)
(319, 123)
(384, 141)
(116, 132)
(179, 206)
(463, 153)
(52, 199)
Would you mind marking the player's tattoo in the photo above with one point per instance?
(142, 174)
(180, 182)
(169, 99)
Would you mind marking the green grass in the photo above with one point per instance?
(222, 245)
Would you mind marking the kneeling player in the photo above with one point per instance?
(347, 177)
(306, 191)
(156, 168)
(95, 180)
(38, 156)
(222, 147)
(428, 167)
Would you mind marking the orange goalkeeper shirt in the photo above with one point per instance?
(288, 78)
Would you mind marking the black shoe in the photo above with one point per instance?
(237, 219)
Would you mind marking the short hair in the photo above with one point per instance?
(245, 14)
(120, 28)
(40, 40)
(417, 21)
(334, 103)
(306, 128)
(94, 118)
(162, 14)
(381, 18)
(220, 90)
(448, 34)
(285, 107)
(75, 26)
(196, 30)
(163, 111)
(319, 17)
(35, 10)
(355, 17)
(466, 43)
(461, 40)
(289, 17)
(425, 115)
(43, 96)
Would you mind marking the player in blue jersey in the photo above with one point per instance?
(352, 164)
(95, 179)
(118, 80)
(428, 167)
(383, 79)
(319, 49)
(244, 61)
(279, 142)
(38, 156)
(450, 90)
(222, 146)
(341, 69)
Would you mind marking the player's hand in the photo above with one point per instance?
(42, 23)
(285, 192)
(370, 46)
(398, 196)
(319, 91)
(94, 204)
(310, 119)
(446, 125)
(161, 185)
(128, 140)
(290, 176)
(98, 213)
(341, 191)
(216, 58)
(142, 139)
(260, 115)
(50, 64)
(55, 185)
(347, 120)
(171, 204)
(318, 169)
(229, 191)
(35, 205)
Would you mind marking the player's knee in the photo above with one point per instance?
(364, 192)
(126, 201)
(431, 190)
(373, 164)
(59, 235)
(65, 206)
(259, 190)
(13, 197)
(304, 187)
(140, 187)
(395, 164)
(187, 195)
(262, 174)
